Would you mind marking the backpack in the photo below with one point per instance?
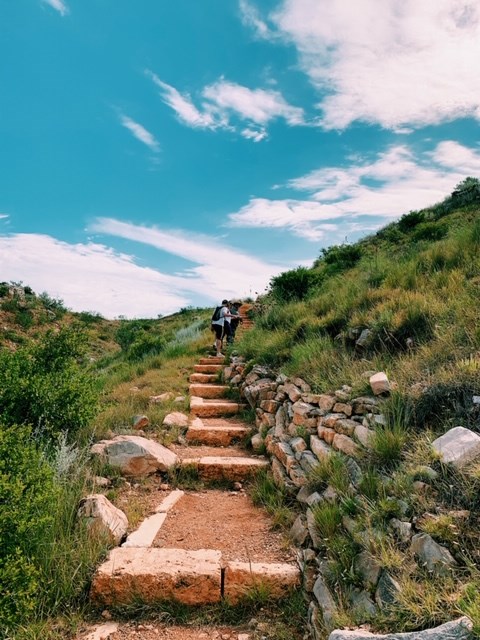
(216, 314)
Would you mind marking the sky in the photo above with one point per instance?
(156, 155)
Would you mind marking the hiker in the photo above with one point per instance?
(221, 325)
(235, 320)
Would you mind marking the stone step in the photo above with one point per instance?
(189, 577)
(207, 368)
(149, 528)
(236, 469)
(212, 360)
(204, 378)
(242, 578)
(218, 435)
(208, 408)
(208, 390)
(156, 574)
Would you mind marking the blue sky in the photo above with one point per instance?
(162, 154)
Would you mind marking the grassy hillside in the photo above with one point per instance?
(404, 300)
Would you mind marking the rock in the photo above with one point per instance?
(163, 397)
(299, 531)
(363, 605)
(459, 629)
(315, 628)
(326, 402)
(380, 383)
(99, 481)
(325, 601)
(346, 445)
(342, 407)
(365, 339)
(354, 472)
(298, 444)
(314, 498)
(459, 446)
(257, 443)
(140, 422)
(346, 426)
(134, 455)
(431, 554)
(282, 450)
(387, 590)
(331, 419)
(364, 405)
(176, 419)
(319, 448)
(103, 517)
(403, 530)
(330, 495)
(312, 530)
(308, 461)
(368, 568)
(179, 399)
(326, 434)
(424, 472)
(292, 391)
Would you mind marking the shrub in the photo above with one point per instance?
(293, 285)
(44, 386)
(145, 345)
(430, 231)
(340, 257)
(410, 220)
(28, 500)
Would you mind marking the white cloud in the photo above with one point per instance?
(257, 135)
(223, 103)
(255, 105)
(385, 188)
(251, 18)
(58, 5)
(88, 277)
(222, 271)
(140, 133)
(400, 63)
(3, 215)
(183, 106)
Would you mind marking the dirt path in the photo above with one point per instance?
(227, 521)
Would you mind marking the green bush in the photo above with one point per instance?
(410, 220)
(44, 386)
(145, 345)
(293, 285)
(340, 257)
(28, 500)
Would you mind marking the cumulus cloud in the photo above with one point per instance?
(58, 5)
(384, 188)
(88, 277)
(400, 63)
(224, 104)
(140, 133)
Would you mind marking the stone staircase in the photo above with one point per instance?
(139, 572)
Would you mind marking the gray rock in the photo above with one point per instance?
(460, 629)
(315, 628)
(312, 530)
(298, 444)
(308, 461)
(303, 495)
(363, 435)
(354, 472)
(387, 590)
(257, 443)
(431, 554)
(176, 419)
(368, 568)
(379, 383)
(363, 605)
(459, 446)
(403, 530)
(325, 601)
(299, 531)
(314, 498)
(365, 338)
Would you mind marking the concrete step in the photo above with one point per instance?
(208, 408)
(204, 378)
(212, 360)
(154, 575)
(208, 390)
(237, 469)
(207, 368)
(218, 435)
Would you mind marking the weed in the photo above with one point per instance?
(328, 518)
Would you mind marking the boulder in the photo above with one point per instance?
(460, 629)
(176, 419)
(299, 531)
(103, 517)
(402, 529)
(368, 568)
(319, 448)
(431, 554)
(363, 605)
(459, 446)
(257, 443)
(346, 445)
(163, 397)
(134, 455)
